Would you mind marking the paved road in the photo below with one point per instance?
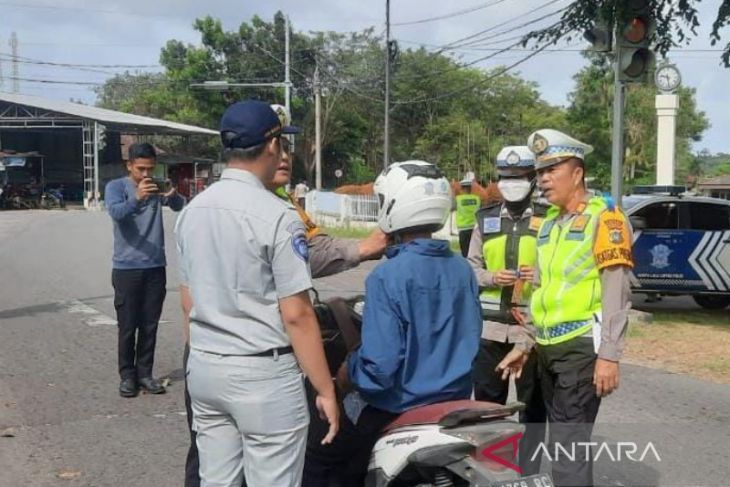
(58, 377)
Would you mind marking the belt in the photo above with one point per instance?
(561, 329)
(274, 352)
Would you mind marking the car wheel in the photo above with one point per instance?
(712, 301)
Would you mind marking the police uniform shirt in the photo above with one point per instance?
(241, 249)
(613, 258)
(521, 336)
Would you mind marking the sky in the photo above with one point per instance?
(132, 33)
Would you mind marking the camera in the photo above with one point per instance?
(163, 185)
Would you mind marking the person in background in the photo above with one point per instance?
(135, 203)
(300, 193)
(467, 205)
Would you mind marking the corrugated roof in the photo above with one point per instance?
(111, 118)
(716, 181)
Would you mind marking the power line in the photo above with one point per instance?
(27, 60)
(449, 15)
(473, 85)
(80, 9)
(477, 38)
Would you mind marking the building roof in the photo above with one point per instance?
(111, 119)
(719, 182)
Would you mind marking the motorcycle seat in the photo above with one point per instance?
(453, 413)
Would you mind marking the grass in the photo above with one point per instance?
(356, 233)
(718, 318)
(691, 342)
(359, 233)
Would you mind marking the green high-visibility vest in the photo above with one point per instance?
(568, 300)
(467, 206)
(508, 244)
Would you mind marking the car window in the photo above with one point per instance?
(709, 216)
(660, 216)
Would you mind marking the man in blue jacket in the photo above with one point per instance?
(421, 325)
(138, 268)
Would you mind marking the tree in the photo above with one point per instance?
(589, 116)
(676, 22)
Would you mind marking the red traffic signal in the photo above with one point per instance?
(636, 30)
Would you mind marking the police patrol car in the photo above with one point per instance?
(681, 244)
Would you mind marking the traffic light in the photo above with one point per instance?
(634, 32)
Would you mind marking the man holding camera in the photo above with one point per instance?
(138, 272)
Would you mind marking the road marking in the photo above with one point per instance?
(93, 317)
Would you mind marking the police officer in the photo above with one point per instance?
(327, 255)
(467, 205)
(245, 283)
(502, 253)
(580, 310)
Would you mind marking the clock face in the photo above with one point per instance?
(667, 78)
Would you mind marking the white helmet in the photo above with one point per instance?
(412, 194)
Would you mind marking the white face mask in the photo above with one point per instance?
(514, 190)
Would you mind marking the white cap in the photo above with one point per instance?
(515, 156)
(552, 147)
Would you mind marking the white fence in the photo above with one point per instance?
(342, 210)
(330, 209)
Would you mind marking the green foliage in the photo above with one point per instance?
(590, 118)
(676, 22)
(459, 117)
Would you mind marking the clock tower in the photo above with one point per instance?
(667, 79)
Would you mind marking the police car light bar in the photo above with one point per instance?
(671, 190)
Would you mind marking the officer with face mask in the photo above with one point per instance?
(502, 253)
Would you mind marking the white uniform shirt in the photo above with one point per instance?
(241, 249)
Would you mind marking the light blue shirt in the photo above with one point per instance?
(241, 249)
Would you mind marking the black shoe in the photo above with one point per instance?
(151, 385)
(128, 388)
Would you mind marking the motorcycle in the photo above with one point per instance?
(456, 443)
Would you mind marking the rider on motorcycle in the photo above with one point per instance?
(421, 325)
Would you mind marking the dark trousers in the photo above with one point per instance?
(344, 462)
(464, 239)
(566, 373)
(138, 298)
(489, 386)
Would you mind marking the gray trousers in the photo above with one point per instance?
(250, 415)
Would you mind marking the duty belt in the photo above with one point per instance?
(561, 329)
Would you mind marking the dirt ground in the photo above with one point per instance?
(695, 343)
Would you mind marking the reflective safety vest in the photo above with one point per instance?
(568, 301)
(467, 206)
(312, 228)
(507, 244)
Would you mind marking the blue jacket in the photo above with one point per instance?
(421, 328)
(139, 237)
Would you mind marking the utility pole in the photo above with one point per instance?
(287, 67)
(617, 135)
(14, 53)
(317, 130)
(386, 134)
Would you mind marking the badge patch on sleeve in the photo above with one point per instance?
(299, 240)
(492, 225)
(613, 240)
